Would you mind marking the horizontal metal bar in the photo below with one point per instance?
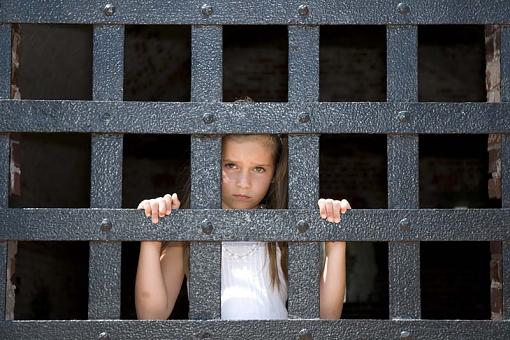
(258, 225)
(257, 329)
(188, 118)
(257, 12)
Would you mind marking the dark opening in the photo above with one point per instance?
(352, 63)
(157, 63)
(51, 278)
(455, 276)
(354, 167)
(451, 63)
(55, 61)
(255, 63)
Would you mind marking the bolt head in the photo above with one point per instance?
(106, 225)
(109, 10)
(207, 227)
(208, 118)
(403, 8)
(403, 116)
(302, 226)
(103, 336)
(405, 334)
(303, 10)
(405, 225)
(304, 334)
(304, 118)
(206, 10)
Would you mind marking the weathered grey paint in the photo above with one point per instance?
(230, 225)
(268, 329)
(106, 174)
(188, 118)
(258, 12)
(403, 171)
(505, 164)
(205, 257)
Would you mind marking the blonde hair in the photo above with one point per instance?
(276, 198)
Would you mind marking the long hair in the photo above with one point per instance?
(275, 198)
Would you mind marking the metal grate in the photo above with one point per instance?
(206, 118)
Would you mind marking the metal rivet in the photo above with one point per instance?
(207, 227)
(304, 334)
(206, 10)
(106, 225)
(208, 118)
(202, 335)
(403, 8)
(303, 10)
(304, 118)
(405, 334)
(405, 225)
(103, 336)
(303, 226)
(109, 10)
(403, 116)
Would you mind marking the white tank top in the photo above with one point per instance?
(246, 290)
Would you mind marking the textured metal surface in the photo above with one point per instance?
(505, 164)
(303, 64)
(303, 170)
(205, 265)
(268, 329)
(205, 258)
(5, 61)
(403, 173)
(108, 62)
(357, 225)
(206, 64)
(106, 175)
(258, 12)
(5, 89)
(186, 118)
(304, 259)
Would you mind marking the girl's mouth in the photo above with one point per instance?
(242, 197)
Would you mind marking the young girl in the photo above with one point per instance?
(253, 274)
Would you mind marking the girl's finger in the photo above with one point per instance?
(329, 209)
(168, 204)
(161, 206)
(176, 204)
(145, 206)
(337, 205)
(345, 206)
(322, 207)
(154, 206)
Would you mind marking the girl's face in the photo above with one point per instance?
(248, 166)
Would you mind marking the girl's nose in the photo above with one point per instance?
(243, 180)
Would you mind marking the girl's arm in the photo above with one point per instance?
(332, 284)
(158, 279)
(159, 274)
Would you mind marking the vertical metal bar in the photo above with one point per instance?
(403, 173)
(304, 258)
(205, 257)
(505, 165)
(5, 89)
(106, 174)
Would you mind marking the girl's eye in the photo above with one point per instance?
(259, 169)
(229, 165)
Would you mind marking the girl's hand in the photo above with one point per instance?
(331, 209)
(159, 207)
